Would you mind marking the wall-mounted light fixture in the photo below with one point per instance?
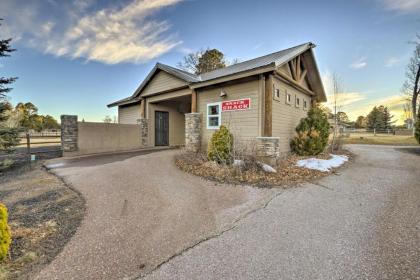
(223, 93)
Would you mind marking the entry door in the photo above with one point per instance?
(161, 128)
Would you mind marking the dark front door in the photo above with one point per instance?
(161, 128)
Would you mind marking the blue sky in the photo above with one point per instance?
(74, 57)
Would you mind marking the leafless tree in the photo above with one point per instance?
(205, 60)
(412, 85)
(336, 108)
(107, 119)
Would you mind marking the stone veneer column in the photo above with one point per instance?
(69, 133)
(144, 132)
(268, 149)
(193, 132)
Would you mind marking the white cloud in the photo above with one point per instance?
(47, 27)
(395, 61)
(111, 35)
(394, 103)
(404, 6)
(344, 99)
(392, 61)
(359, 63)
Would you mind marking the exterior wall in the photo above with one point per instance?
(287, 116)
(176, 122)
(107, 137)
(128, 114)
(162, 81)
(169, 95)
(245, 125)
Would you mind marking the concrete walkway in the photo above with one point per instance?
(362, 224)
(141, 211)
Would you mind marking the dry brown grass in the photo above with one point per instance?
(43, 215)
(381, 139)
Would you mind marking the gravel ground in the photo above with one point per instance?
(141, 211)
(362, 223)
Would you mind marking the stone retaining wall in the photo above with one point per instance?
(268, 149)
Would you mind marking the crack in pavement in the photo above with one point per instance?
(321, 185)
(234, 225)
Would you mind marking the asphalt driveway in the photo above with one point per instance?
(363, 223)
(141, 211)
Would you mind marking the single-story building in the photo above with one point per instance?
(261, 99)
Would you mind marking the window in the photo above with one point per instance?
(214, 116)
(277, 93)
(305, 105)
(297, 101)
(288, 97)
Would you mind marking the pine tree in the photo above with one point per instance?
(387, 118)
(379, 118)
(8, 136)
(373, 118)
(312, 134)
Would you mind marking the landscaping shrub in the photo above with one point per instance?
(312, 134)
(5, 236)
(220, 147)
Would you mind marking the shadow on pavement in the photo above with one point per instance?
(409, 150)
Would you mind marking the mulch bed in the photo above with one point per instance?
(287, 175)
(43, 215)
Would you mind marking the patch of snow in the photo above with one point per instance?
(268, 168)
(55, 165)
(238, 162)
(323, 165)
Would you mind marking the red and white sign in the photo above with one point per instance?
(236, 105)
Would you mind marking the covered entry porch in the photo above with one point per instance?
(165, 117)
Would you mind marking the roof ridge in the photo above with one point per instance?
(259, 57)
(177, 69)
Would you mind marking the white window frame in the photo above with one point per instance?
(219, 115)
(305, 104)
(288, 100)
(297, 101)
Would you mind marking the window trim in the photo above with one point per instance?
(288, 97)
(219, 115)
(305, 104)
(297, 101)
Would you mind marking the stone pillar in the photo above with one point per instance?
(193, 132)
(268, 149)
(144, 132)
(69, 133)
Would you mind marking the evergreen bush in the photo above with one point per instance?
(220, 147)
(5, 236)
(312, 134)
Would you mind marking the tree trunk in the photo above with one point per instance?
(415, 94)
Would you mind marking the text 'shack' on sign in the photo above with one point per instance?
(236, 105)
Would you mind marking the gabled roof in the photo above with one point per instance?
(274, 59)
